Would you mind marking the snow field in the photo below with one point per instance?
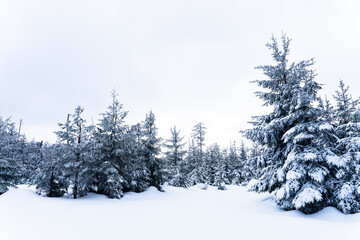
(176, 213)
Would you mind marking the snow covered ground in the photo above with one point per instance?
(175, 214)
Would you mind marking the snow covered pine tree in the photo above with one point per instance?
(347, 122)
(111, 163)
(221, 172)
(237, 163)
(175, 160)
(150, 150)
(73, 138)
(8, 166)
(139, 177)
(196, 154)
(50, 179)
(293, 138)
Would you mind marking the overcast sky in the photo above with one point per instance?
(187, 61)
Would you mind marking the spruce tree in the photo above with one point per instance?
(198, 134)
(195, 167)
(237, 161)
(139, 177)
(22, 156)
(31, 161)
(8, 165)
(344, 104)
(50, 179)
(74, 146)
(327, 110)
(174, 158)
(347, 197)
(197, 174)
(111, 164)
(297, 162)
(221, 172)
(150, 150)
(255, 163)
(212, 163)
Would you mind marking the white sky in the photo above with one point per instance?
(187, 60)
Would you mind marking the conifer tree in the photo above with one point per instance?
(139, 177)
(8, 165)
(49, 178)
(344, 104)
(150, 150)
(196, 154)
(7, 174)
(74, 146)
(255, 163)
(228, 166)
(297, 162)
(220, 178)
(195, 166)
(31, 161)
(111, 171)
(198, 134)
(347, 197)
(237, 161)
(327, 110)
(212, 163)
(175, 157)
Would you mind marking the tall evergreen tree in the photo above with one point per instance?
(195, 167)
(111, 173)
(174, 145)
(197, 173)
(255, 163)
(344, 104)
(50, 179)
(297, 163)
(150, 150)
(8, 165)
(73, 137)
(327, 110)
(198, 134)
(31, 161)
(347, 197)
(237, 161)
(212, 163)
(221, 174)
(139, 177)
(22, 156)
(175, 157)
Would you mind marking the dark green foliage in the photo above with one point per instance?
(149, 152)
(76, 155)
(347, 122)
(7, 174)
(50, 179)
(111, 172)
(9, 147)
(175, 160)
(297, 159)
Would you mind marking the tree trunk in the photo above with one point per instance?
(75, 189)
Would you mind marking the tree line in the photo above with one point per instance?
(113, 158)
